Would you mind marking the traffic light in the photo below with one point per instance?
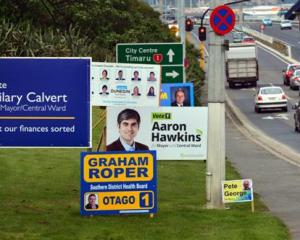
(202, 33)
(188, 25)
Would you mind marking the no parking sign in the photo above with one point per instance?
(222, 20)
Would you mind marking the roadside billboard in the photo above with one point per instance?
(115, 84)
(118, 183)
(177, 94)
(45, 102)
(168, 130)
(237, 191)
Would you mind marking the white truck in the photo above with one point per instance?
(241, 64)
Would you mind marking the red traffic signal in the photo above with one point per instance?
(202, 33)
(188, 25)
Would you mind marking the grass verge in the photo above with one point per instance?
(39, 196)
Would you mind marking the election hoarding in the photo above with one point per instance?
(237, 191)
(118, 183)
(168, 130)
(45, 102)
(177, 94)
(115, 84)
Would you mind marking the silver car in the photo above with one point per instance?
(295, 80)
(270, 97)
(285, 24)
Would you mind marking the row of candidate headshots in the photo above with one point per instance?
(135, 91)
(121, 75)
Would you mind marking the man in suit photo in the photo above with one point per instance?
(136, 76)
(128, 123)
(180, 100)
(120, 76)
(92, 202)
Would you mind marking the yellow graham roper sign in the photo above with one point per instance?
(123, 167)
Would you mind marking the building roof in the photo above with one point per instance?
(291, 14)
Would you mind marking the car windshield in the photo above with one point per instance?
(270, 91)
(297, 73)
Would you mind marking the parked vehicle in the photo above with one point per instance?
(248, 39)
(270, 97)
(288, 72)
(295, 80)
(297, 116)
(241, 65)
(267, 22)
(285, 24)
(237, 37)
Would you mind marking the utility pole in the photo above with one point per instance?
(161, 6)
(181, 25)
(215, 166)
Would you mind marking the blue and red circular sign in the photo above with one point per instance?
(222, 20)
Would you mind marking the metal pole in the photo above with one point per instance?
(215, 168)
(181, 25)
(241, 16)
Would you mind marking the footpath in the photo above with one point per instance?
(275, 180)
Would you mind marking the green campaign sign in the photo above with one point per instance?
(150, 53)
(172, 74)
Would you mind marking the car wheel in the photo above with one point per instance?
(254, 84)
(285, 109)
(231, 85)
(257, 109)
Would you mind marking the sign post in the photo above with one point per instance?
(222, 21)
(169, 55)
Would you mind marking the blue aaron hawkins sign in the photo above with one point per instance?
(45, 102)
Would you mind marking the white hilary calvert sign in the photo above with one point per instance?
(175, 133)
(118, 84)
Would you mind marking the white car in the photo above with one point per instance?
(295, 80)
(285, 24)
(270, 97)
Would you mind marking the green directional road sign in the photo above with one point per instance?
(172, 74)
(150, 53)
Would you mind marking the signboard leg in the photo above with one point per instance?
(252, 205)
(151, 215)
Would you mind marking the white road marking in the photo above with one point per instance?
(278, 116)
(268, 118)
(282, 116)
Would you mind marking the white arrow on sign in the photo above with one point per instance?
(170, 54)
(172, 74)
